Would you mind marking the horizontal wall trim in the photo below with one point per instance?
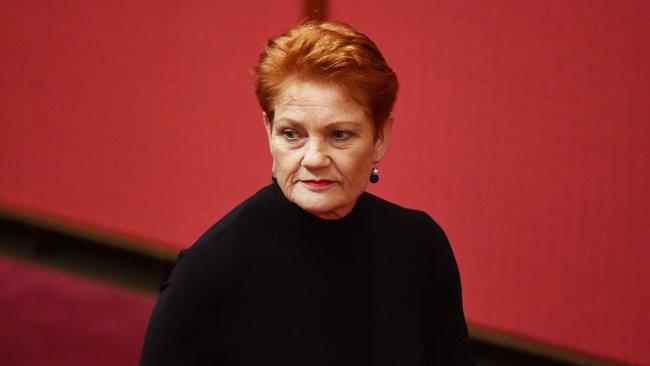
(69, 227)
(534, 347)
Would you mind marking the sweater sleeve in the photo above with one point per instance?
(446, 327)
(177, 333)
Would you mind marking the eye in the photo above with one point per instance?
(341, 135)
(289, 135)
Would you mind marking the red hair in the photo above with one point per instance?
(333, 52)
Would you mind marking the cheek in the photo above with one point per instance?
(354, 167)
(286, 162)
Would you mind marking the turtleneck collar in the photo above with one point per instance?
(283, 210)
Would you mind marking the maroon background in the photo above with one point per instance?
(521, 126)
(56, 319)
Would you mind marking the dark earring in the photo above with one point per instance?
(374, 174)
(273, 178)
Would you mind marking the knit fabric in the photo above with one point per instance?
(271, 284)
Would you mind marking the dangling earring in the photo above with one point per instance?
(374, 174)
(273, 178)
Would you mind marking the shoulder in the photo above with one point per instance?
(404, 218)
(251, 213)
(410, 228)
(218, 249)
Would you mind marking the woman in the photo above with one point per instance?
(311, 270)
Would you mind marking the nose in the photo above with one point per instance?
(316, 155)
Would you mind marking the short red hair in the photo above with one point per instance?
(332, 52)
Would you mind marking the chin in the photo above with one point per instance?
(319, 206)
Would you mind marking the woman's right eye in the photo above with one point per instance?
(290, 135)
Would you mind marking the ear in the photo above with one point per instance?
(267, 125)
(381, 143)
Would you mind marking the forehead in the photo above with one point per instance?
(313, 100)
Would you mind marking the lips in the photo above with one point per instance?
(318, 183)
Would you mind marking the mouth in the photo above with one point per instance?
(317, 183)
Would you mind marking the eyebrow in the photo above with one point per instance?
(328, 125)
(285, 120)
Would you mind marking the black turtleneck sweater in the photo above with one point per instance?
(271, 284)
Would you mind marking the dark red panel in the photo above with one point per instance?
(134, 117)
(522, 126)
(50, 318)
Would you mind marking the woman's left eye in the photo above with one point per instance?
(341, 135)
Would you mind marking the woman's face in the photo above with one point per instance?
(323, 147)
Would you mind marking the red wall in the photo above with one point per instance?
(138, 118)
(521, 126)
